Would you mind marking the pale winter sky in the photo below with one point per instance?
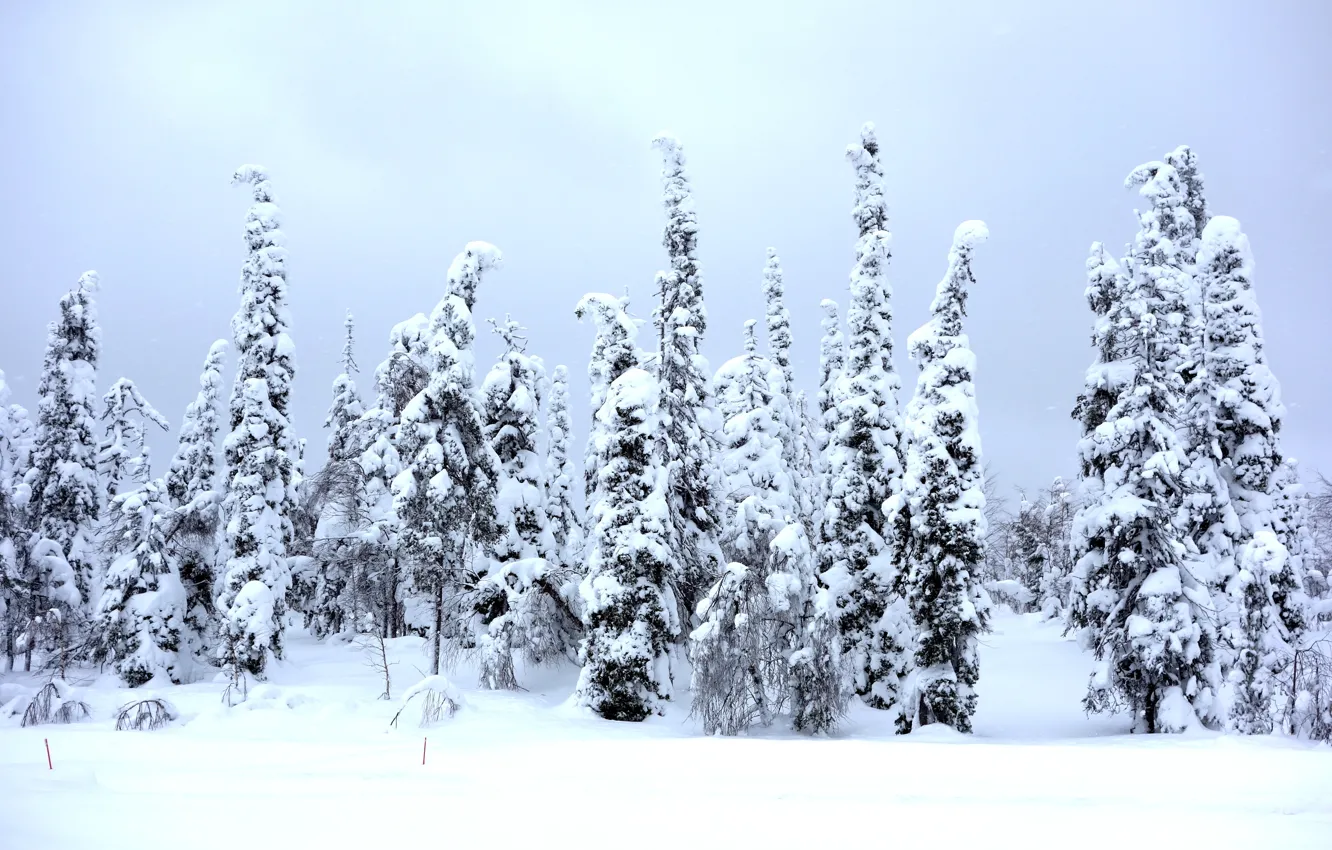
(395, 133)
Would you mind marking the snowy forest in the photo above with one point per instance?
(718, 540)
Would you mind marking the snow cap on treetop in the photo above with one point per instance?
(671, 149)
(751, 341)
(969, 234)
(257, 176)
(466, 269)
(1155, 180)
(1224, 232)
(606, 309)
(862, 154)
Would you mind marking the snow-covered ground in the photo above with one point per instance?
(309, 761)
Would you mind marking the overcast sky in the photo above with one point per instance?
(395, 133)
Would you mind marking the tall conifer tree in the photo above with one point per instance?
(261, 449)
(857, 541)
(194, 495)
(65, 500)
(445, 495)
(945, 495)
(682, 372)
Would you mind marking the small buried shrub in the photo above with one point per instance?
(438, 698)
(144, 715)
(53, 704)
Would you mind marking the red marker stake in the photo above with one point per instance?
(423, 749)
(49, 766)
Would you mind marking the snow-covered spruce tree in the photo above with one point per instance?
(779, 349)
(140, 619)
(1103, 384)
(122, 457)
(614, 352)
(39, 597)
(347, 407)
(1185, 161)
(13, 539)
(195, 498)
(682, 372)
(832, 364)
(1260, 639)
(337, 494)
(945, 494)
(766, 641)
(1239, 399)
(1291, 515)
(300, 546)
(778, 318)
(65, 500)
(15, 437)
(1146, 617)
(1030, 546)
(1180, 338)
(260, 449)
(521, 603)
(192, 474)
(858, 542)
(630, 608)
(806, 466)
(1054, 591)
(379, 586)
(565, 527)
(445, 494)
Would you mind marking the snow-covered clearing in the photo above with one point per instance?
(309, 761)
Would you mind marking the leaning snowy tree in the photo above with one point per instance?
(445, 494)
(261, 450)
(630, 607)
(122, 456)
(195, 499)
(858, 542)
(767, 641)
(1240, 399)
(682, 372)
(140, 619)
(945, 495)
(1146, 617)
(65, 500)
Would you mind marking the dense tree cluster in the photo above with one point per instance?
(797, 555)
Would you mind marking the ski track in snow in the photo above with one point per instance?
(309, 760)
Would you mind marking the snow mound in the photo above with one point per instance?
(1010, 592)
(265, 697)
(14, 699)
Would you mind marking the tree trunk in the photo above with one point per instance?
(439, 625)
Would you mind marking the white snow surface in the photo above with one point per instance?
(309, 760)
